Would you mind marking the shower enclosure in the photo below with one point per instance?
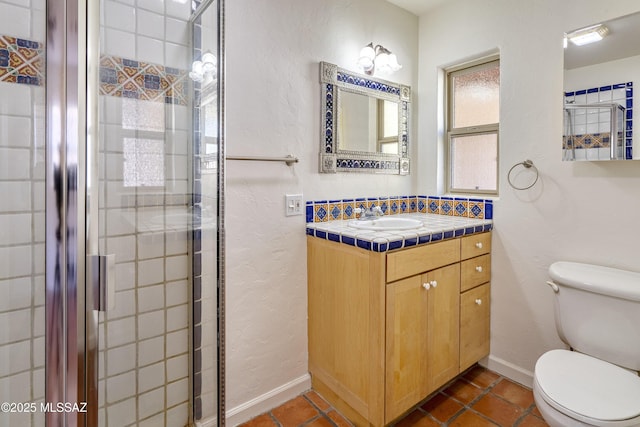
(111, 213)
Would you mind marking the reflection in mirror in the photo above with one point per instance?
(388, 126)
(365, 123)
(598, 92)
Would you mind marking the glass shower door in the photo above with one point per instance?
(147, 211)
(22, 214)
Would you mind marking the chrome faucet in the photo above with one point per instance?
(372, 212)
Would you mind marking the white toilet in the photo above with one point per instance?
(597, 312)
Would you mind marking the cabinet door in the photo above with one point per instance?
(406, 347)
(444, 325)
(422, 337)
(475, 311)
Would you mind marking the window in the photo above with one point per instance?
(143, 145)
(473, 107)
(388, 126)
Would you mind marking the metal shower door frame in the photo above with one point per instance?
(70, 339)
(65, 332)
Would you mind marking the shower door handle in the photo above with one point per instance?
(102, 273)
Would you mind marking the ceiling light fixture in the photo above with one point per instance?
(588, 35)
(377, 57)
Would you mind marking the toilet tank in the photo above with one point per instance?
(598, 311)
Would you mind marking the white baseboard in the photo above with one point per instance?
(262, 403)
(509, 370)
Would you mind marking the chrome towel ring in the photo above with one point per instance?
(527, 164)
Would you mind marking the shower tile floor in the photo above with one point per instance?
(479, 398)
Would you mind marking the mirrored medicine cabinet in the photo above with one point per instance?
(598, 101)
(365, 123)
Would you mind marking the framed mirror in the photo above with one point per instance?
(598, 91)
(364, 123)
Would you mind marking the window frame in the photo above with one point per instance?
(492, 128)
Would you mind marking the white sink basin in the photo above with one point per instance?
(384, 223)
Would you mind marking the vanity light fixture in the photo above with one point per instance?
(591, 34)
(205, 69)
(377, 57)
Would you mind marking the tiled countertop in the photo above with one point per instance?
(435, 228)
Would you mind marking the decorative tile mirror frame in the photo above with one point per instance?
(333, 157)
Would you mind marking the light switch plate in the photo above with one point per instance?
(293, 204)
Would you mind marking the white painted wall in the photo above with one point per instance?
(577, 211)
(273, 108)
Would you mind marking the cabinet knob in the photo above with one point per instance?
(479, 301)
(433, 283)
(479, 269)
(479, 245)
(426, 286)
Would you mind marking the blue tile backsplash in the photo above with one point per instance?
(344, 209)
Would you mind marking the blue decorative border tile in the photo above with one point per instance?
(127, 78)
(21, 61)
(446, 206)
(321, 211)
(368, 83)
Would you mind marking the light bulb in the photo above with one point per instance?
(368, 52)
(209, 67)
(209, 58)
(393, 62)
(382, 62)
(196, 67)
(365, 63)
(196, 77)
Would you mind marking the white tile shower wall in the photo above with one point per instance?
(147, 337)
(13, 18)
(21, 236)
(153, 31)
(147, 332)
(21, 227)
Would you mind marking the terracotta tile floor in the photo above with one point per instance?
(478, 398)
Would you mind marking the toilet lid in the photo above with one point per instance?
(587, 386)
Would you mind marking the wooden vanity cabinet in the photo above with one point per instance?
(388, 329)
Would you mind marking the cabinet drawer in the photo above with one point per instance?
(475, 271)
(475, 312)
(417, 260)
(474, 245)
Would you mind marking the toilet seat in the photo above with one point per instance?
(588, 389)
